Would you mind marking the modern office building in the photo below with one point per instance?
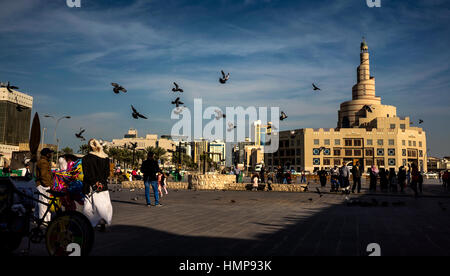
(367, 131)
(15, 118)
(217, 149)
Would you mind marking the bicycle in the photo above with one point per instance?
(64, 232)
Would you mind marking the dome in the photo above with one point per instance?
(364, 46)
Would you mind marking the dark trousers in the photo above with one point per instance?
(237, 178)
(373, 183)
(323, 181)
(356, 182)
(414, 187)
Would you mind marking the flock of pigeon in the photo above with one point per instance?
(117, 89)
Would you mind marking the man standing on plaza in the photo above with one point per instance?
(356, 172)
(44, 182)
(237, 172)
(345, 174)
(262, 175)
(150, 168)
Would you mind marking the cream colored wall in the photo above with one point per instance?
(22, 98)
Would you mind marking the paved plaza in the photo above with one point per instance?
(244, 223)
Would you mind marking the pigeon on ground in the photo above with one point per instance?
(231, 126)
(117, 88)
(233, 201)
(224, 78)
(79, 134)
(177, 88)
(8, 86)
(283, 116)
(177, 102)
(315, 87)
(136, 114)
(319, 192)
(368, 108)
(219, 114)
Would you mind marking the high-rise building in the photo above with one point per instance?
(217, 149)
(15, 118)
(367, 131)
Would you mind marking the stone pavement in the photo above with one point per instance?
(244, 223)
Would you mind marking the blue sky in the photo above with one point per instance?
(66, 59)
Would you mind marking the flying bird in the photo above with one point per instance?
(179, 110)
(79, 134)
(283, 116)
(136, 114)
(420, 122)
(177, 102)
(315, 87)
(224, 78)
(231, 126)
(134, 145)
(177, 88)
(19, 107)
(117, 88)
(219, 114)
(8, 86)
(293, 133)
(368, 108)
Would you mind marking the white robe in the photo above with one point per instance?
(98, 207)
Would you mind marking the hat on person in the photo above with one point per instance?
(46, 151)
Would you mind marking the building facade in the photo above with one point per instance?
(367, 131)
(217, 149)
(15, 118)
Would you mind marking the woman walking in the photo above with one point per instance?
(255, 180)
(402, 178)
(97, 204)
(373, 178)
(392, 180)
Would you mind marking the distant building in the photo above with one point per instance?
(198, 148)
(218, 147)
(14, 124)
(367, 131)
(150, 140)
(437, 164)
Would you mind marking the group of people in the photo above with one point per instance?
(444, 177)
(84, 181)
(389, 180)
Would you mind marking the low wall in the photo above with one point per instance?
(217, 182)
(140, 185)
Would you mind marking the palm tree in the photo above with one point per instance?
(84, 149)
(66, 150)
(158, 153)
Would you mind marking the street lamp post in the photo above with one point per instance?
(56, 126)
